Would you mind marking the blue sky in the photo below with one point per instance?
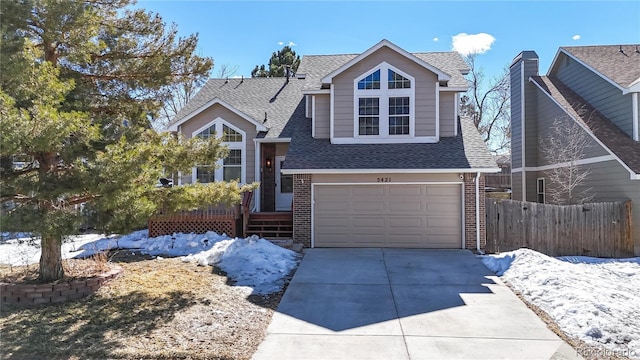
(245, 33)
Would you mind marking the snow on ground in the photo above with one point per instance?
(595, 300)
(250, 262)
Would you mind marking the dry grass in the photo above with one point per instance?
(158, 309)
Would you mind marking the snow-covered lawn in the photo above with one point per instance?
(251, 262)
(595, 300)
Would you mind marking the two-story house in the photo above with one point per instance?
(595, 87)
(365, 150)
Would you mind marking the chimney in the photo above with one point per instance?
(287, 71)
(523, 120)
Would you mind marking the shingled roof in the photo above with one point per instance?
(317, 66)
(275, 99)
(625, 148)
(618, 63)
(465, 151)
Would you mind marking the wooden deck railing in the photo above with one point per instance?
(214, 218)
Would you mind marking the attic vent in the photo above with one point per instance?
(301, 76)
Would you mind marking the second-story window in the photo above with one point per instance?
(384, 103)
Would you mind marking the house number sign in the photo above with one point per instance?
(383, 179)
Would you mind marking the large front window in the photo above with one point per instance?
(369, 120)
(231, 167)
(384, 103)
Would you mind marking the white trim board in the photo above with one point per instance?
(390, 139)
(632, 174)
(636, 117)
(390, 171)
(313, 116)
(272, 140)
(593, 160)
(461, 183)
(316, 92)
(523, 153)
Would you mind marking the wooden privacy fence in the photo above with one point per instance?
(597, 229)
(220, 220)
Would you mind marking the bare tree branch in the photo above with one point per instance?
(564, 148)
(488, 104)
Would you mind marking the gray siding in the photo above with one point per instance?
(531, 114)
(548, 112)
(516, 113)
(447, 113)
(604, 96)
(322, 120)
(425, 92)
(532, 191)
(609, 181)
(516, 186)
(207, 116)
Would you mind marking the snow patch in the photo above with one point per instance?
(254, 264)
(595, 300)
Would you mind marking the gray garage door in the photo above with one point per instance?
(392, 215)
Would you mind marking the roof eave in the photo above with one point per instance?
(390, 171)
(567, 53)
(442, 76)
(216, 100)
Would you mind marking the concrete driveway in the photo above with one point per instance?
(403, 304)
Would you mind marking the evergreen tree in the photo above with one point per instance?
(277, 64)
(79, 83)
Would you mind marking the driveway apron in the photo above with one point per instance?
(403, 304)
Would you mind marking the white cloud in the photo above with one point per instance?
(469, 44)
(435, 39)
(289, 44)
(576, 37)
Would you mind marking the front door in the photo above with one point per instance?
(284, 187)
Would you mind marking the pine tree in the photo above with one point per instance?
(80, 81)
(278, 63)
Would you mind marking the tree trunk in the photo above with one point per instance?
(51, 259)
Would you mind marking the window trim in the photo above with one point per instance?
(383, 94)
(543, 192)
(242, 146)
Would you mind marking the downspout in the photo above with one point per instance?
(478, 214)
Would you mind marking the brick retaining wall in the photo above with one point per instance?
(30, 294)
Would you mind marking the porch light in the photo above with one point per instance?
(268, 163)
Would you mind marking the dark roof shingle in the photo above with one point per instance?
(625, 148)
(465, 151)
(623, 68)
(274, 98)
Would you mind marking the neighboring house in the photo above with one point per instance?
(597, 88)
(500, 181)
(365, 150)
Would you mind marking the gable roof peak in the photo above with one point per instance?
(617, 64)
(442, 76)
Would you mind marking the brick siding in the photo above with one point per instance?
(470, 212)
(302, 209)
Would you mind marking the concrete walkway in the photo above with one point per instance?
(403, 304)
